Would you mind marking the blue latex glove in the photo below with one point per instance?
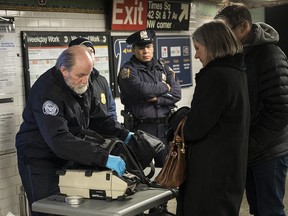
(116, 163)
(128, 138)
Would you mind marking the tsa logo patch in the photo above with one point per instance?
(50, 108)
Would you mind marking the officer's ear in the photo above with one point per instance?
(64, 72)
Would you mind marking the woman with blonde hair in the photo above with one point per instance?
(217, 126)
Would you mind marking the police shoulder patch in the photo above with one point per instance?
(161, 61)
(50, 108)
(164, 78)
(124, 73)
(171, 71)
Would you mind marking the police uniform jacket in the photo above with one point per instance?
(216, 135)
(140, 82)
(54, 116)
(267, 72)
(103, 93)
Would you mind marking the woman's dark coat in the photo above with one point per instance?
(216, 134)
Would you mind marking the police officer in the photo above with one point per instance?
(149, 89)
(61, 103)
(100, 84)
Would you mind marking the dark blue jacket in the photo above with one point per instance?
(103, 93)
(145, 81)
(54, 116)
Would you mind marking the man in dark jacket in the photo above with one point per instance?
(100, 84)
(149, 89)
(61, 103)
(267, 72)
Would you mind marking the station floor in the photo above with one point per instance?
(244, 211)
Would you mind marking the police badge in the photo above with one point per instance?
(143, 35)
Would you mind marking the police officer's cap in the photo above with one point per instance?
(82, 41)
(141, 38)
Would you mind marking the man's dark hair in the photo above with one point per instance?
(234, 14)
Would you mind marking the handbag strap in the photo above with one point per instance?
(180, 127)
(182, 134)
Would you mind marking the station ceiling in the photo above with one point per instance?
(249, 3)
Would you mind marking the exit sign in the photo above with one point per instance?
(129, 14)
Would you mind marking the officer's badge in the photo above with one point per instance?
(50, 108)
(143, 35)
(164, 78)
(103, 98)
(125, 73)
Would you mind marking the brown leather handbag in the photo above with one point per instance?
(173, 173)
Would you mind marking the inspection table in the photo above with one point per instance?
(144, 198)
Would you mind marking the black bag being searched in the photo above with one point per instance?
(114, 146)
(145, 146)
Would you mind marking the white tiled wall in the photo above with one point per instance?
(52, 21)
(9, 184)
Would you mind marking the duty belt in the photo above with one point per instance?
(130, 121)
(151, 120)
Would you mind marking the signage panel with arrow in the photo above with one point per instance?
(168, 15)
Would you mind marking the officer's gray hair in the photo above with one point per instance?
(218, 39)
(66, 59)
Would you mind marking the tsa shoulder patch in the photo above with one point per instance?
(124, 73)
(50, 108)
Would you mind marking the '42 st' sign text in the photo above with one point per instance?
(166, 15)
